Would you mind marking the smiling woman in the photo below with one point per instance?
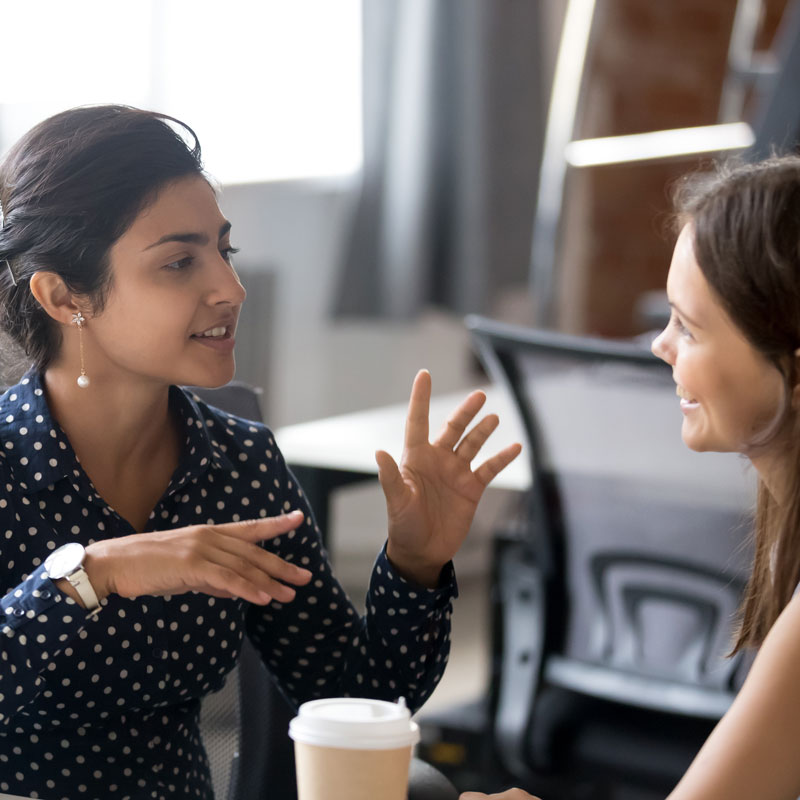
(734, 346)
(145, 532)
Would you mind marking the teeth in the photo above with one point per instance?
(214, 332)
(683, 394)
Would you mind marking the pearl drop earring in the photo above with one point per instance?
(79, 320)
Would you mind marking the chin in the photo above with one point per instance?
(696, 441)
(212, 379)
(694, 445)
(707, 444)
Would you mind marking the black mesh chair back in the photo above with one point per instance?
(617, 600)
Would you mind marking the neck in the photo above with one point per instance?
(112, 423)
(773, 469)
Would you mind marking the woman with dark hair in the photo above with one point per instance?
(145, 533)
(733, 342)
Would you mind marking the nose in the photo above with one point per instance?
(225, 285)
(662, 347)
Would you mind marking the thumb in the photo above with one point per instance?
(389, 475)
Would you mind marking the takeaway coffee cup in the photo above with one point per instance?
(351, 748)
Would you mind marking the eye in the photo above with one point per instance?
(680, 327)
(228, 253)
(180, 264)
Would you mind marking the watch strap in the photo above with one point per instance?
(80, 581)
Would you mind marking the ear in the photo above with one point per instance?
(53, 296)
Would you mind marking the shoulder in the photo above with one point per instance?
(26, 429)
(752, 751)
(781, 648)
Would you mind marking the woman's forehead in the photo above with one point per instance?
(186, 206)
(684, 278)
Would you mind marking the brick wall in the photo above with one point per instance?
(653, 65)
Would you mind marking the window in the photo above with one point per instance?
(273, 88)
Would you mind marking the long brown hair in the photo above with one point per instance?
(746, 225)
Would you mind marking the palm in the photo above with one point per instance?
(431, 498)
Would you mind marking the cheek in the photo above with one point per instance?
(692, 367)
(754, 404)
(140, 321)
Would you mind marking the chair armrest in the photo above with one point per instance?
(427, 783)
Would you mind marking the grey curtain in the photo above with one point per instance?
(453, 119)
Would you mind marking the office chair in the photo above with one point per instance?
(245, 725)
(615, 599)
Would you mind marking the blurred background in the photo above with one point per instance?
(381, 160)
(391, 165)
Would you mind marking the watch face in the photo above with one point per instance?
(65, 560)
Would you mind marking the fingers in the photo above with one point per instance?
(418, 410)
(269, 563)
(455, 426)
(494, 465)
(470, 445)
(261, 529)
(256, 576)
(236, 565)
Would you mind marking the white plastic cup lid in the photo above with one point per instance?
(354, 723)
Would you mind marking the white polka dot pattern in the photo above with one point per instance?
(107, 706)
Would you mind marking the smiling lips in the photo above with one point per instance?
(218, 338)
(687, 401)
(215, 332)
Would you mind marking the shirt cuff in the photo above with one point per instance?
(35, 596)
(391, 594)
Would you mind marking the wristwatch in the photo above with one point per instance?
(67, 562)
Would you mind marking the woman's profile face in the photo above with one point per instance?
(730, 394)
(174, 301)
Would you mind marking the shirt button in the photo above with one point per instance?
(19, 612)
(45, 594)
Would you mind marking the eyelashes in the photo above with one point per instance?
(182, 264)
(228, 253)
(681, 328)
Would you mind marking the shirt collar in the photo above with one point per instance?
(39, 454)
(201, 448)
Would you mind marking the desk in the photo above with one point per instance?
(328, 453)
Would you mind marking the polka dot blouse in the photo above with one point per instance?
(106, 706)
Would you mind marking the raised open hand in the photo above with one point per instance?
(432, 496)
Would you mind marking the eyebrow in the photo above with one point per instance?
(189, 238)
(685, 316)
